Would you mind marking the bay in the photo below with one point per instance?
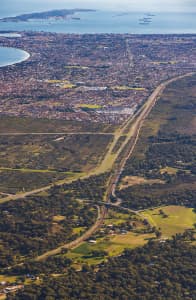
(10, 56)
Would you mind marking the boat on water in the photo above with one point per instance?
(145, 20)
(144, 23)
(150, 15)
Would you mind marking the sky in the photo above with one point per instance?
(118, 5)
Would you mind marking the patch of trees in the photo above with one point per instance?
(146, 196)
(166, 150)
(155, 271)
(52, 265)
(28, 227)
(177, 151)
(91, 188)
(14, 181)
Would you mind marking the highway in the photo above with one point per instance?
(133, 126)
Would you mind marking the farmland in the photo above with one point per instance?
(171, 219)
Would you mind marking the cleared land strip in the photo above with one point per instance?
(24, 195)
(39, 190)
(25, 170)
(55, 133)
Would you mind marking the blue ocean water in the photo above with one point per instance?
(9, 56)
(111, 22)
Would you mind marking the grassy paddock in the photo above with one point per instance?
(113, 245)
(179, 218)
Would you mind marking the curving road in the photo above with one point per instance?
(100, 220)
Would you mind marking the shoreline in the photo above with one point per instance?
(24, 57)
(10, 35)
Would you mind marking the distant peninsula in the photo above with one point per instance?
(53, 14)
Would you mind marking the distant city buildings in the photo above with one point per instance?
(102, 78)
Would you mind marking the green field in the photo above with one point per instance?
(171, 221)
(113, 245)
(111, 240)
(177, 220)
(116, 218)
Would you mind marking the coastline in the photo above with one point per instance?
(9, 35)
(25, 56)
